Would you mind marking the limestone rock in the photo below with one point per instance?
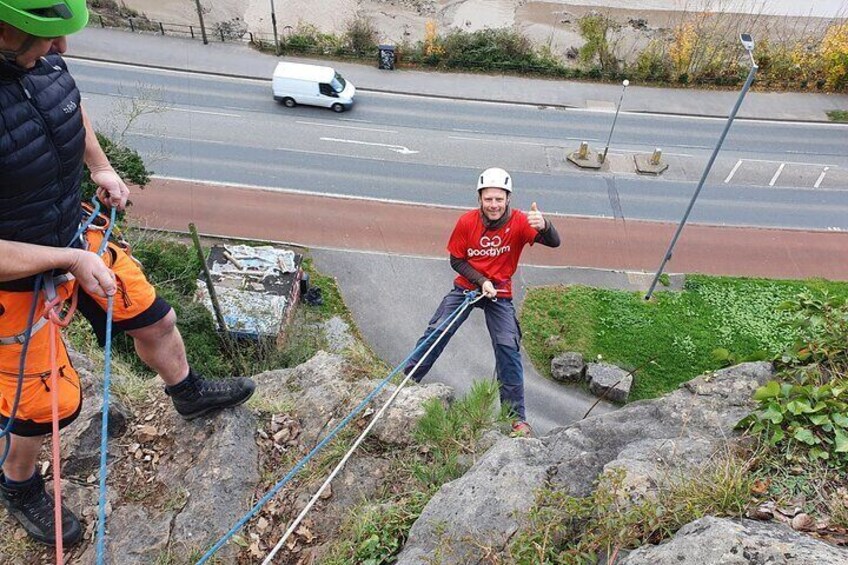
(81, 441)
(397, 424)
(337, 333)
(318, 388)
(720, 541)
(609, 381)
(214, 462)
(146, 540)
(568, 367)
(644, 438)
(487, 503)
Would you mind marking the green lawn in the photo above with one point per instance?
(669, 340)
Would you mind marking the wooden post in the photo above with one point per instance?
(216, 306)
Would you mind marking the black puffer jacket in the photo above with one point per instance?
(42, 143)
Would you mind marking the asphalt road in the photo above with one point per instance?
(413, 149)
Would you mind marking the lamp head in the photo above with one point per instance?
(747, 41)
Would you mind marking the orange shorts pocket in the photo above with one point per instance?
(135, 294)
(35, 402)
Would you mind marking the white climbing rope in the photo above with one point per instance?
(361, 438)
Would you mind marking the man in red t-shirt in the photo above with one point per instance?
(485, 248)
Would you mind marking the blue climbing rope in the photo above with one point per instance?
(104, 422)
(104, 430)
(276, 488)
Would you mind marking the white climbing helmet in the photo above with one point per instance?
(495, 177)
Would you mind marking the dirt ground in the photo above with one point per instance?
(552, 23)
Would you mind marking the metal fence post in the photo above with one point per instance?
(191, 31)
(132, 27)
(161, 28)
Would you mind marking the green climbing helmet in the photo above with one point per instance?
(45, 18)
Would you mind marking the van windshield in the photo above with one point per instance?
(338, 83)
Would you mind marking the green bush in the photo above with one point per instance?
(361, 36)
(126, 162)
(807, 413)
(652, 64)
(595, 29)
(488, 49)
(809, 420)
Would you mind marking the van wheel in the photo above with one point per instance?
(338, 108)
(289, 102)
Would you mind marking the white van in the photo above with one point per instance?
(295, 83)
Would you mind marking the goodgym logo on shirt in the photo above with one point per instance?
(489, 247)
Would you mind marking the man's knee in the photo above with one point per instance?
(161, 328)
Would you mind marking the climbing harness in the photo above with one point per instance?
(366, 431)
(471, 297)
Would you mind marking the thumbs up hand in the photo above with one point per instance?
(534, 217)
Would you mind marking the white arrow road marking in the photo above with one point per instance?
(396, 148)
(821, 177)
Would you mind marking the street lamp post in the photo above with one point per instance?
(748, 43)
(202, 25)
(624, 85)
(274, 24)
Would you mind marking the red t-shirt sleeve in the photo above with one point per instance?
(457, 246)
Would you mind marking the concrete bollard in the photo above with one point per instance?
(584, 157)
(656, 157)
(650, 164)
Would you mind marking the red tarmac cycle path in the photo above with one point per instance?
(367, 225)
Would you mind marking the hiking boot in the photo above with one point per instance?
(196, 396)
(521, 428)
(33, 508)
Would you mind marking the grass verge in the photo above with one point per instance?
(668, 340)
(838, 115)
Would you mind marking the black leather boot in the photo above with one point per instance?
(196, 396)
(30, 505)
